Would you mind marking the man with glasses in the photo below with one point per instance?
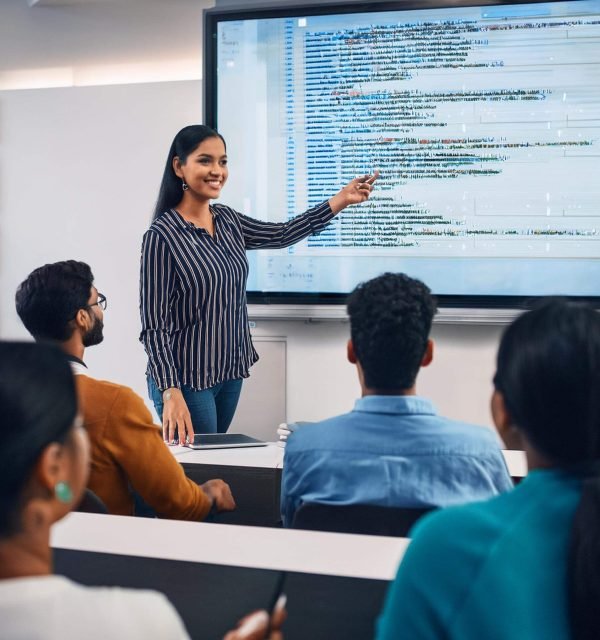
(59, 302)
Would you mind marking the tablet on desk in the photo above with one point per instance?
(224, 441)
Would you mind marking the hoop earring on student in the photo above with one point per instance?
(63, 492)
(184, 185)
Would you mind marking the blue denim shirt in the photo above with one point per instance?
(391, 451)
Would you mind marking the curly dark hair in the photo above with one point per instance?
(390, 322)
(50, 297)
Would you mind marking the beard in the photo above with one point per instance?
(94, 335)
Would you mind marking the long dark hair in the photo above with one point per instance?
(39, 404)
(184, 143)
(549, 374)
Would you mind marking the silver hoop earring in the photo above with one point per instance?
(184, 185)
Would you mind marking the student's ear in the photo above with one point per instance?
(350, 352)
(49, 468)
(42, 509)
(82, 319)
(504, 423)
(177, 167)
(428, 355)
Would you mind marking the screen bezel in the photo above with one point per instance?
(213, 16)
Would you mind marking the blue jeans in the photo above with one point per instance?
(211, 409)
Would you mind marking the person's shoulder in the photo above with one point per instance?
(164, 227)
(56, 606)
(118, 597)
(105, 391)
(88, 384)
(134, 613)
(225, 211)
(471, 433)
(161, 221)
(456, 530)
(312, 434)
(102, 386)
(220, 207)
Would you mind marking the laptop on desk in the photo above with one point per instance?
(224, 441)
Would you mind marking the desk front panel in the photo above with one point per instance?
(211, 598)
(256, 491)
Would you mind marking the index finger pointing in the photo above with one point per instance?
(371, 179)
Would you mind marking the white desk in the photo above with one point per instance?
(271, 457)
(214, 574)
(516, 463)
(335, 554)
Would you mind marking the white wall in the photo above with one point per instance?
(320, 381)
(79, 171)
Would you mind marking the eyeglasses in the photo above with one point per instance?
(101, 302)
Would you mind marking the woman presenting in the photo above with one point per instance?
(193, 284)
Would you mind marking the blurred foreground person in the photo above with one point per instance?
(525, 564)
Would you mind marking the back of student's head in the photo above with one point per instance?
(38, 406)
(50, 297)
(549, 375)
(390, 322)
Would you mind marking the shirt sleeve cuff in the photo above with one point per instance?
(321, 216)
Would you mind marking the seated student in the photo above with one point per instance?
(393, 449)
(58, 302)
(524, 565)
(44, 457)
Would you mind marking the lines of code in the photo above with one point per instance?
(485, 131)
(484, 122)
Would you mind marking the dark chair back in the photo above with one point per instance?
(91, 503)
(358, 518)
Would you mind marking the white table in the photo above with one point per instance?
(213, 573)
(516, 463)
(271, 457)
(335, 554)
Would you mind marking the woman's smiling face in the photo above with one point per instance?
(205, 169)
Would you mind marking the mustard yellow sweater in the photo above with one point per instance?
(127, 450)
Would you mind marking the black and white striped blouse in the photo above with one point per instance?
(193, 292)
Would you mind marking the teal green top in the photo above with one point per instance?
(493, 570)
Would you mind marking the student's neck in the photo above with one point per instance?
(24, 556)
(535, 460)
(370, 391)
(73, 347)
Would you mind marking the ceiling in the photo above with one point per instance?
(65, 3)
(77, 42)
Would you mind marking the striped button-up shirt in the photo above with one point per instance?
(193, 292)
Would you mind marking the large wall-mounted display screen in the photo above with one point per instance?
(483, 120)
